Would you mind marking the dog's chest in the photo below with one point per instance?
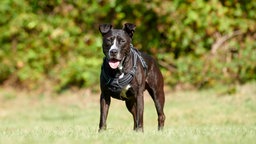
(123, 93)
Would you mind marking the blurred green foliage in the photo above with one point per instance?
(199, 43)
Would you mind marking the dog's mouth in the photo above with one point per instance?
(114, 63)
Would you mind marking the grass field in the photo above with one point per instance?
(197, 117)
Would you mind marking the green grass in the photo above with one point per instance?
(191, 117)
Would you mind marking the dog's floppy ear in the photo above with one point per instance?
(105, 28)
(129, 28)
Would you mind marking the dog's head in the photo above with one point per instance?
(116, 42)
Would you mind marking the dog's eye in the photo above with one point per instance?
(122, 41)
(108, 41)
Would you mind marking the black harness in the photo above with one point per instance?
(116, 84)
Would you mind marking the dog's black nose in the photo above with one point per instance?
(113, 52)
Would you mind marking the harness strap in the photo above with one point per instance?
(136, 52)
(129, 76)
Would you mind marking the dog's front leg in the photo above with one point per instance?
(104, 107)
(139, 112)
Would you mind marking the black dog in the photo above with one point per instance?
(125, 75)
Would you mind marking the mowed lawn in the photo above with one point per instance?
(198, 117)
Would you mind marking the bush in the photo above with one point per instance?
(199, 43)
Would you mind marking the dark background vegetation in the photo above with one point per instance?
(56, 44)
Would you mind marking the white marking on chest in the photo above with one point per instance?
(121, 76)
(124, 90)
(120, 67)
